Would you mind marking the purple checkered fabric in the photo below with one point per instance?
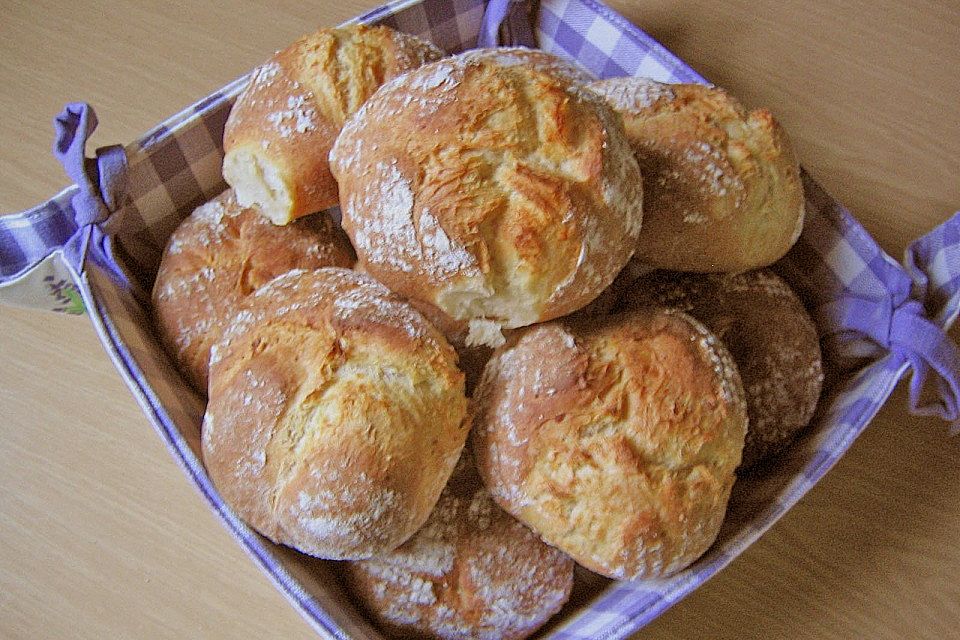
(28, 237)
(176, 166)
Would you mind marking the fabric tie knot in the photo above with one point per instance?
(101, 180)
(899, 322)
(929, 351)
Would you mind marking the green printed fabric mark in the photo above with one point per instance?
(67, 296)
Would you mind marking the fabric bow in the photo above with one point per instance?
(101, 181)
(901, 321)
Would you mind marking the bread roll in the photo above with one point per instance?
(615, 441)
(471, 572)
(491, 186)
(721, 184)
(336, 415)
(218, 256)
(770, 336)
(281, 129)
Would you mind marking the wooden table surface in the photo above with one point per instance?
(101, 536)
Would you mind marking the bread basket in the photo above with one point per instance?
(96, 246)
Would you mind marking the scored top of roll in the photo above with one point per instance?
(336, 414)
(491, 185)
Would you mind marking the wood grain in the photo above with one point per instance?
(101, 536)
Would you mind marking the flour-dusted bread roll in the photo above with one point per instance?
(218, 256)
(336, 415)
(492, 186)
(770, 336)
(472, 572)
(722, 189)
(281, 129)
(616, 441)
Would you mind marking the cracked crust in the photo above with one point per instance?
(218, 256)
(492, 186)
(336, 415)
(770, 336)
(722, 189)
(281, 129)
(615, 440)
(472, 571)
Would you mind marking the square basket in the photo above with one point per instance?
(877, 319)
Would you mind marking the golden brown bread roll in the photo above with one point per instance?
(282, 126)
(336, 415)
(616, 441)
(722, 187)
(471, 572)
(770, 336)
(219, 255)
(492, 186)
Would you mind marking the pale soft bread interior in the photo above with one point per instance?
(279, 133)
(485, 333)
(258, 182)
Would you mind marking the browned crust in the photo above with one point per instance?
(336, 415)
(276, 120)
(470, 358)
(472, 571)
(291, 112)
(490, 174)
(722, 188)
(616, 441)
(770, 336)
(218, 256)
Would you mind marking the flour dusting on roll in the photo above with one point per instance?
(283, 125)
(471, 572)
(492, 186)
(336, 415)
(770, 336)
(614, 439)
(722, 189)
(219, 255)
